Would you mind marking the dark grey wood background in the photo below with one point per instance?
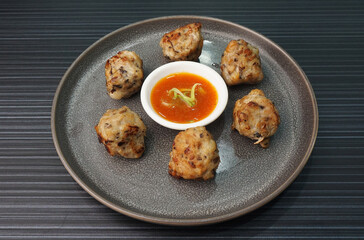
(40, 39)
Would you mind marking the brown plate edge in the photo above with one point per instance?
(185, 222)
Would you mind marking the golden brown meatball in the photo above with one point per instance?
(183, 44)
(256, 117)
(194, 155)
(240, 63)
(122, 132)
(124, 74)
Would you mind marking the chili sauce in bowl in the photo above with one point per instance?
(184, 94)
(175, 108)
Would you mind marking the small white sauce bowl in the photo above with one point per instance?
(190, 67)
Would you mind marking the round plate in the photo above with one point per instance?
(247, 177)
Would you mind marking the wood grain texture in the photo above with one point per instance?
(40, 39)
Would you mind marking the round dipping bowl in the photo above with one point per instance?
(190, 67)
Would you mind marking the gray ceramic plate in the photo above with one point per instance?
(248, 176)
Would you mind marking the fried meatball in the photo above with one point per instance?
(256, 117)
(122, 132)
(194, 155)
(240, 63)
(124, 74)
(183, 44)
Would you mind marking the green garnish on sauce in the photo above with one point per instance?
(190, 101)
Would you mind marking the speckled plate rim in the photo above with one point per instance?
(187, 222)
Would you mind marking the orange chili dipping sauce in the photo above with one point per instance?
(176, 110)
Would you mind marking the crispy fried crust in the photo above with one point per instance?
(183, 44)
(122, 132)
(194, 155)
(256, 117)
(124, 74)
(240, 63)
